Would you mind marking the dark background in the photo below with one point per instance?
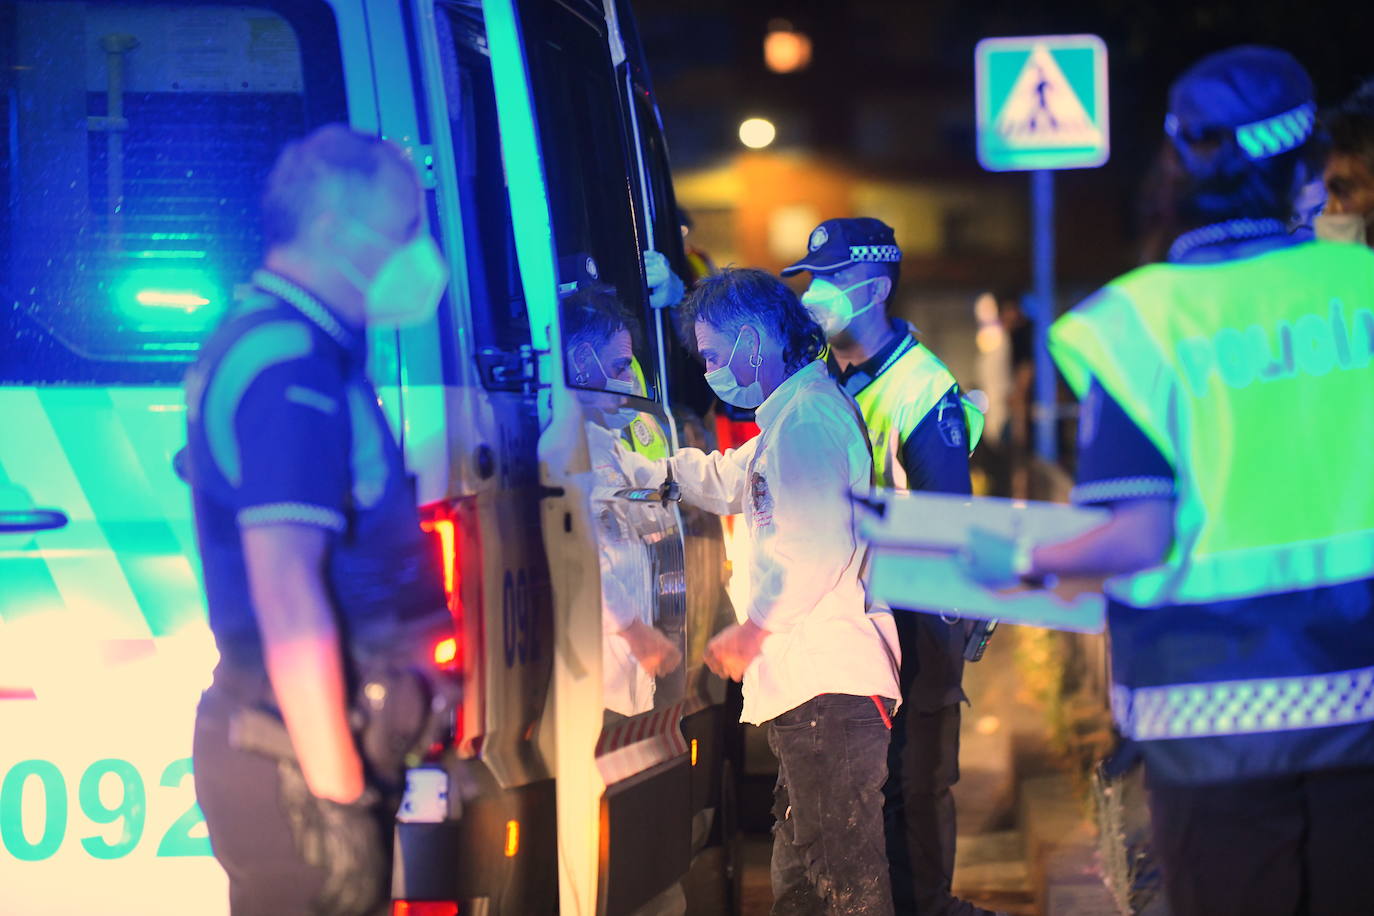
(889, 91)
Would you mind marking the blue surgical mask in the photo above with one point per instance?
(727, 387)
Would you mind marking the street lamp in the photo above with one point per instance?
(786, 50)
(756, 133)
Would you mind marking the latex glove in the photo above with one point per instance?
(665, 287)
(993, 559)
(350, 843)
(355, 848)
(730, 651)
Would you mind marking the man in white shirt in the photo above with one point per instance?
(818, 668)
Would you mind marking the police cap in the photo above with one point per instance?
(838, 243)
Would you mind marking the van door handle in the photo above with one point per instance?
(19, 520)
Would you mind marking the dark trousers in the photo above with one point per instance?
(923, 761)
(828, 851)
(1295, 846)
(245, 797)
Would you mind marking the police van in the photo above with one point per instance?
(136, 137)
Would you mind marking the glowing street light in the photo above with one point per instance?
(756, 133)
(784, 49)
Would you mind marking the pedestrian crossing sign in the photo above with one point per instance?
(1042, 102)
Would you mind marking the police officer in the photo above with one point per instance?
(1227, 401)
(1349, 172)
(314, 561)
(921, 430)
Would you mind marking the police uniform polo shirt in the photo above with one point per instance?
(285, 428)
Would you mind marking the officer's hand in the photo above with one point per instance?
(731, 651)
(665, 287)
(990, 558)
(355, 852)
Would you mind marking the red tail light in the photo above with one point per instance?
(446, 652)
(424, 908)
(452, 534)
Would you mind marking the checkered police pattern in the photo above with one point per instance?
(1245, 707)
(874, 253)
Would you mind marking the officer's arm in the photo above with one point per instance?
(935, 455)
(1137, 536)
(1120, 469)
(301, 648)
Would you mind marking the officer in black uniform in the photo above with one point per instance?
(321, 586)
(921, 430)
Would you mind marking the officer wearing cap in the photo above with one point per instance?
(921, 430)
(1227, 397)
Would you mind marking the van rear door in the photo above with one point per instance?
(616, 558)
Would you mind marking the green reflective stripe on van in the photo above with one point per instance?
(147, 553)
(256, 351)
(92, 590)
(29, 585)
(154, 421)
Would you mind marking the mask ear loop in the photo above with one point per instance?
(755, 358)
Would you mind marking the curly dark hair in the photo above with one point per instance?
(737, 296)
(1350, 125)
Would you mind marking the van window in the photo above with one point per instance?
(582, 136)
(499, 319)
(137, 139)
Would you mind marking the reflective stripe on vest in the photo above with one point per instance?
(1244, 707)
(909, 386)
(1271, 354)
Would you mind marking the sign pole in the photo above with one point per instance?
(1046, 409)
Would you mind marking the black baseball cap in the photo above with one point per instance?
(838, 243)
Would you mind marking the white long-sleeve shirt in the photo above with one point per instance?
(792, 482)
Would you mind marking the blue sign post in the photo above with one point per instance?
(1042, 105)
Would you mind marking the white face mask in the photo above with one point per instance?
(1342, 227)
(608, 382)
(406, 288)
(831, 307)
(727, 387)
(619, 385)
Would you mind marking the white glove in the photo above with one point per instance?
(665, 287)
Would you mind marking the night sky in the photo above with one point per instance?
(915, 59)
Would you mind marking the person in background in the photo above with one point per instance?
(1227, 397)
(317, 574)
(698, 261)
(1349, 172)
(921, 430)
